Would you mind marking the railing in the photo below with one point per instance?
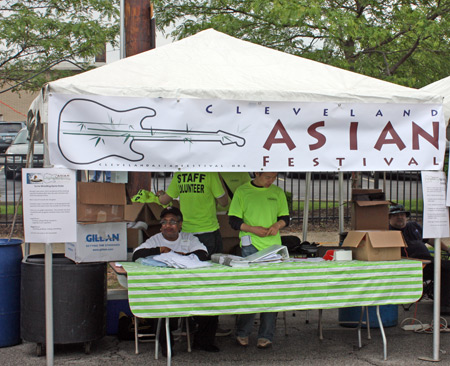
(400, 187)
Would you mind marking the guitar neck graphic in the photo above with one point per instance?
(111, 138)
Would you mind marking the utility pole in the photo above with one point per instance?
(139, 29)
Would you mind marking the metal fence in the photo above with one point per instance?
(401, 187)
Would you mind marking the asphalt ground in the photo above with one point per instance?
(301, 346)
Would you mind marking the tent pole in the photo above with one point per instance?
(49, 303)
(306, 205)
(341, 202)
(437, 299)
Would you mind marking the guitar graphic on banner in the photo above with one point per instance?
(103, 133)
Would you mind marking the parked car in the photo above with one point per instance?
(16, 154)
(8, 131)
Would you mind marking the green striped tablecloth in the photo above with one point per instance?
(167, 292)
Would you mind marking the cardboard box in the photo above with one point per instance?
(375, 245)
(226, 231)
(135, 237)
(103, 242)
(100, 202)
(370, 210)
(231, 246)
(150, 213)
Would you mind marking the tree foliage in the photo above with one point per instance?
(403, 41)
(35, 34)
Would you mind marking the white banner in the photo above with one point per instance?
(139, 134)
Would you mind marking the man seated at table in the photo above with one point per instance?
(416, 248)
(172, 239)
(258, 210)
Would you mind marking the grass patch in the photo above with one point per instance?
(316, 205)
(9, 209)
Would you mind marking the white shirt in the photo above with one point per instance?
(186, 243)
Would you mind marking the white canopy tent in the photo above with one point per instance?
(442, 88)
(211, 66)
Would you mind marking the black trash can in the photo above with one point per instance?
(79, 301)
(10, 258)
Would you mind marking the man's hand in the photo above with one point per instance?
(259, 231)
(164, 250)
(275, 228)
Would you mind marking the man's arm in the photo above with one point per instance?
(223, 200)
(163, 197)
(145, 252)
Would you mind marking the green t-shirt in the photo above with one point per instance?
(197, 192)
(233, 180)
(259, 206)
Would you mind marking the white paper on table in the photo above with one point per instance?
(435, 211)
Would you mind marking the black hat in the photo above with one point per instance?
(395, 209)
(172, 210)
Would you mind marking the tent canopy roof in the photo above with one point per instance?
(213, 65)
(442, 88)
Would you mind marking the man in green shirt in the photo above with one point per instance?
(258, 210)
(232, 180)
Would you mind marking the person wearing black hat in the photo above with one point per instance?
(416, 248)
(171, 238)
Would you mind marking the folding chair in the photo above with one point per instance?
(140, 337)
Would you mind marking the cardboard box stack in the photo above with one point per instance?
(101, 232)
(370, 238)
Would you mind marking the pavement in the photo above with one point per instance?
(300, 346)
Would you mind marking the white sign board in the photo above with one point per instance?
(435, 212)
(143, 134)
(49, 205)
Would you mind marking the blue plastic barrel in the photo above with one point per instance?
(349, 317)
(10, 259)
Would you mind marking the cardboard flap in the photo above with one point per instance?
(371, 203)
(386, 239)
(368, 195)
(154, 211)
(354, 238)
(101, 193)
(132, 212)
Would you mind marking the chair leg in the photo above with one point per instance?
(285, 323)
(320, 325)
(188, 335)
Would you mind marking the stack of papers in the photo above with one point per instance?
(176, 260)
(229, 260)
(272, 254)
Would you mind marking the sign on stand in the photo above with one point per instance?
(435, 212)
(49, 205)
(49, 213)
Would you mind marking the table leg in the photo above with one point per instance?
(382, 333)
(169, 348)
(368, 323)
